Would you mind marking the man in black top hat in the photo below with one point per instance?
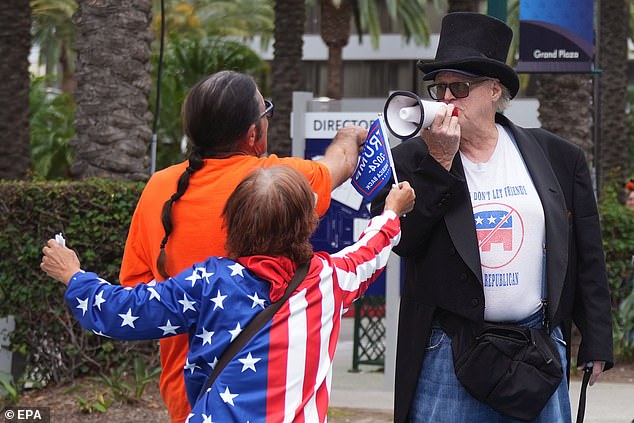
(505, 217)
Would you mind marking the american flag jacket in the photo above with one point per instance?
(284, 372)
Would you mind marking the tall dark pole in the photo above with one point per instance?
(596, 75)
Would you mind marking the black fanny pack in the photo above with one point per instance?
(513, 369)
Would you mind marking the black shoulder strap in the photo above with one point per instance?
(255, 325)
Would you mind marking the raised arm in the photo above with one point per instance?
(342, 154)
(148, 311)
(362, 262)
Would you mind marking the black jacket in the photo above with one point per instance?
(442, 261)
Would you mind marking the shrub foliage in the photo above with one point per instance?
(617, 224)
(94, 217)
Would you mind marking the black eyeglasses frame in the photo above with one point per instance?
(456, 88)
(269, 108)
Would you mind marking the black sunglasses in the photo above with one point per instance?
(458, 89)
(268, 109)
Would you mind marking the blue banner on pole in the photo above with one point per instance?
(374, 168)
(556, 36)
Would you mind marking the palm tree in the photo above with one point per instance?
(54, 33)
(15, 43)
(336, 17)
(613, 137)
(113, 85)
(188, 59)
(287, 70)
(335, 31)
(566, 107)
(237, 18)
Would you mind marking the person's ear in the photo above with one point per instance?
(496, 90)
(252, 135)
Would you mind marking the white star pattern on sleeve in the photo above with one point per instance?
(235, 332)
(257, 301)
(207, 419)
(202, 274)
(83, 305)
(187, 304)
(236, 269)
(213, 365)
(168, 328)
(249, 362)
(205, 336)
(99, 300)
(218, 300)
(128, 318)
(190, 366)
(154, 294)
(205, 275)
(228, 397)
(193, 277)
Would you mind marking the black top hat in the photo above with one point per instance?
(476, 44)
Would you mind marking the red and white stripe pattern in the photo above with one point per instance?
(308, 327)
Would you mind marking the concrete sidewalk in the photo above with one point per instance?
(606, 402)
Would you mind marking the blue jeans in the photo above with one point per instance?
(440, 398)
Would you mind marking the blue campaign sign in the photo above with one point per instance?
(374, 168)
(556, 36)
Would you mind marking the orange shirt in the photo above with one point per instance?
(197, 234)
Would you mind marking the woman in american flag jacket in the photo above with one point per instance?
(284, 372)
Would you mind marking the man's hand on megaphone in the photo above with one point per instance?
(443, 137)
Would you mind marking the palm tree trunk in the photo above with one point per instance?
(15, 43)
(335, 31)
(113, 86)
(565, 108)
(613, 137)
(287, 73)
(335, 72)
(68, 82)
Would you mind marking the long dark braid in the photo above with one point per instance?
(217, 112)
(195, 163)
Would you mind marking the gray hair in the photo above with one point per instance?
(505, 98)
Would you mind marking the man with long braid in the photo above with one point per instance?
(177, 220)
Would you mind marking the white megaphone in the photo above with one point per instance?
(406, 113)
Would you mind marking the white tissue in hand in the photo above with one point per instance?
(60, 239)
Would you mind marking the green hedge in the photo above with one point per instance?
(94, 216)
(617, 224)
